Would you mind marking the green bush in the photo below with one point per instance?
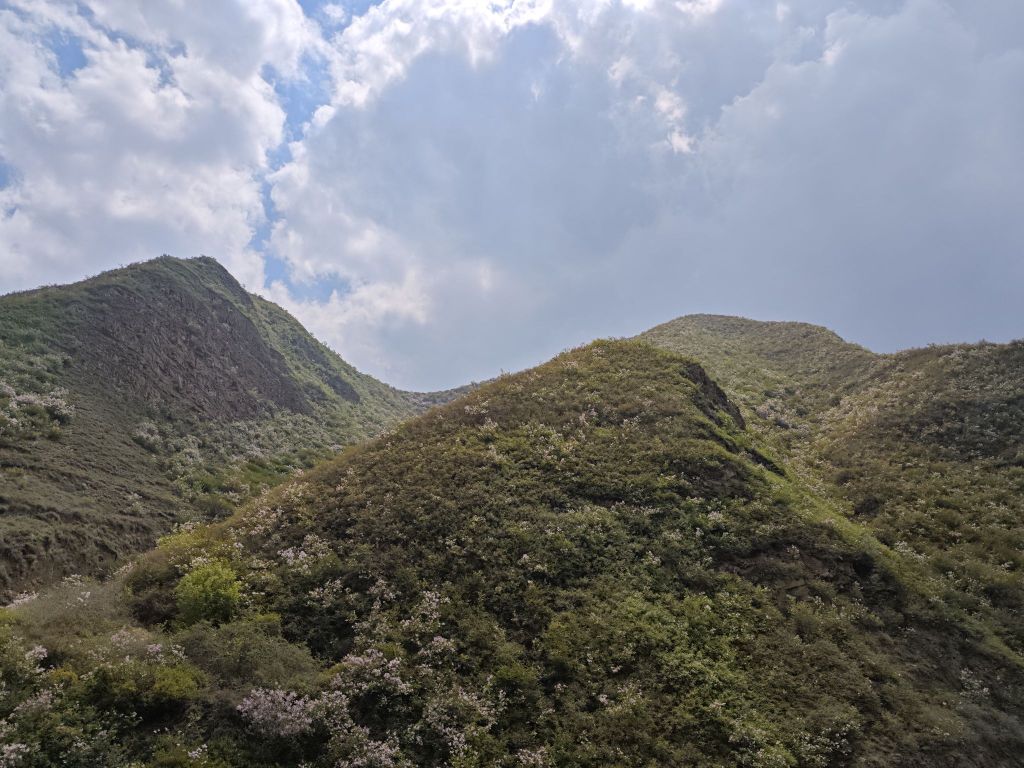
(251, 652)
(174, 684)
(210, 592)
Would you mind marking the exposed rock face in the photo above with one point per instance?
(183, 350)
(315, 355)
(712, 397)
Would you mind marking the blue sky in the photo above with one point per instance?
(443, 190)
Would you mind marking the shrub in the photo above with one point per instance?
(210, 592)
(151, 597)
(174, 684)
(147, 434)
(250, 651)
(170, 754)
(277, 712)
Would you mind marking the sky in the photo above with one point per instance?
(444, 190)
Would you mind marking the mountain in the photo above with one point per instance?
(154, 394)
(781, 371)
(605, 560)
(924, 448)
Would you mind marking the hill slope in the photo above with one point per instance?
(785, 372)
(924, 447)
(589, 563)
(150, 394)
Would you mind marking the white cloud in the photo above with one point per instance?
(148, 146)
(335, 12)
(483, 184)
(378, 47)
(615, 166)
(236, 37)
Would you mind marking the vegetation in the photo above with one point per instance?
(590, 563)
(925, 448)
(208, 592)
(783, 374)
(154, 394)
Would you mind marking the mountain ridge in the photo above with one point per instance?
(138, 397)
(924, 447)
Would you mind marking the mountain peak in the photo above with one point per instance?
(777, 332)
(172, 371)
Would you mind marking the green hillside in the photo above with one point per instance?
(784, 374)
(590, 563)
(924, 448)
(152, 394)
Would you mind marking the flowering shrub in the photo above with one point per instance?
(533, 758)
(303, 559)
(30, 414)
(13, 754)
(278, 713)
(370, 672)
(53, 404)
(147, 434)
